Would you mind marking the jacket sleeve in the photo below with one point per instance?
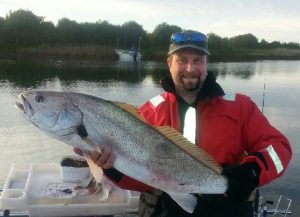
(264, 144)
(124, 181)
(119, 178)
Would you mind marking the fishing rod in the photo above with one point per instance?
(260, 208)
(263, 100)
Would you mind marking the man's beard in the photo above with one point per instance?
(193, 88)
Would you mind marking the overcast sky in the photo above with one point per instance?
(272, 20)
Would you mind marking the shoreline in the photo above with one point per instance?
(107, 53)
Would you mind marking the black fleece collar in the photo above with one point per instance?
(210, 88)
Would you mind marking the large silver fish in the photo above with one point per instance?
(158, 156)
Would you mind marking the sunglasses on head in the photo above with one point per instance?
(181, 38)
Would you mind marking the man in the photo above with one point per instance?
(133, 52)
(229, 127)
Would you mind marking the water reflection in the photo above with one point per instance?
(32, 75)
(239, 70)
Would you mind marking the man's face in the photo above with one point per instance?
(188, 70)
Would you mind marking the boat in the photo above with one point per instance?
(262, 209)
(131, 55)
(128, 56)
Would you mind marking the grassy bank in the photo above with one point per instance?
(242, 54)
(98, 53)
(89, 52)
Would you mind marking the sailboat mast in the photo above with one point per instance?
(139, 48)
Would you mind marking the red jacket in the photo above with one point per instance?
(230, 128)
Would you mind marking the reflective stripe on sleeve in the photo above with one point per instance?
(275, 158)
(155, 101)
(189, 128)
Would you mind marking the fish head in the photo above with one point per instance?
(53, 112)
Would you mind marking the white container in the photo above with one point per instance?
(24, 191)
(73, 174)
(74, 169)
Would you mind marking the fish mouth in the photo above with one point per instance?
(24, 105)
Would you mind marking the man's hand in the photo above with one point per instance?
(105, 159)
(243, 179)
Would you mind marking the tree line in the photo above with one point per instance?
(22, 28)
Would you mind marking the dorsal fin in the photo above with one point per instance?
(177, 138)
(190, 148)
(130, 109)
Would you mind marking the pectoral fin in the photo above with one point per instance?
(95, 170)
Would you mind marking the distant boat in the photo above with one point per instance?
(128, 56)
(131, 55)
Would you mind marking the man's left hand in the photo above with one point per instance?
(243, 179)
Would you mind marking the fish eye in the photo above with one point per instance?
(39, 98)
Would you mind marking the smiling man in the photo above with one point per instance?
(188, 72)
(230, 128)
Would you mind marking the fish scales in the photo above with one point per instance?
(144, 146)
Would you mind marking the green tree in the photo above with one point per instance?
(215, 42)
(246, 41)
(130, 34)
(264, 44)
(162, 33)
(106, 33)
(2, 23)
(291, 45)
(68, 32)
(22, 28)
(48, 33)
(275, 44)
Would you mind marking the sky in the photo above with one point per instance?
(272, 20)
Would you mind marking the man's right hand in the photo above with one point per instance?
(105, 159)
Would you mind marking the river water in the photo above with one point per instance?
(134, 83)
